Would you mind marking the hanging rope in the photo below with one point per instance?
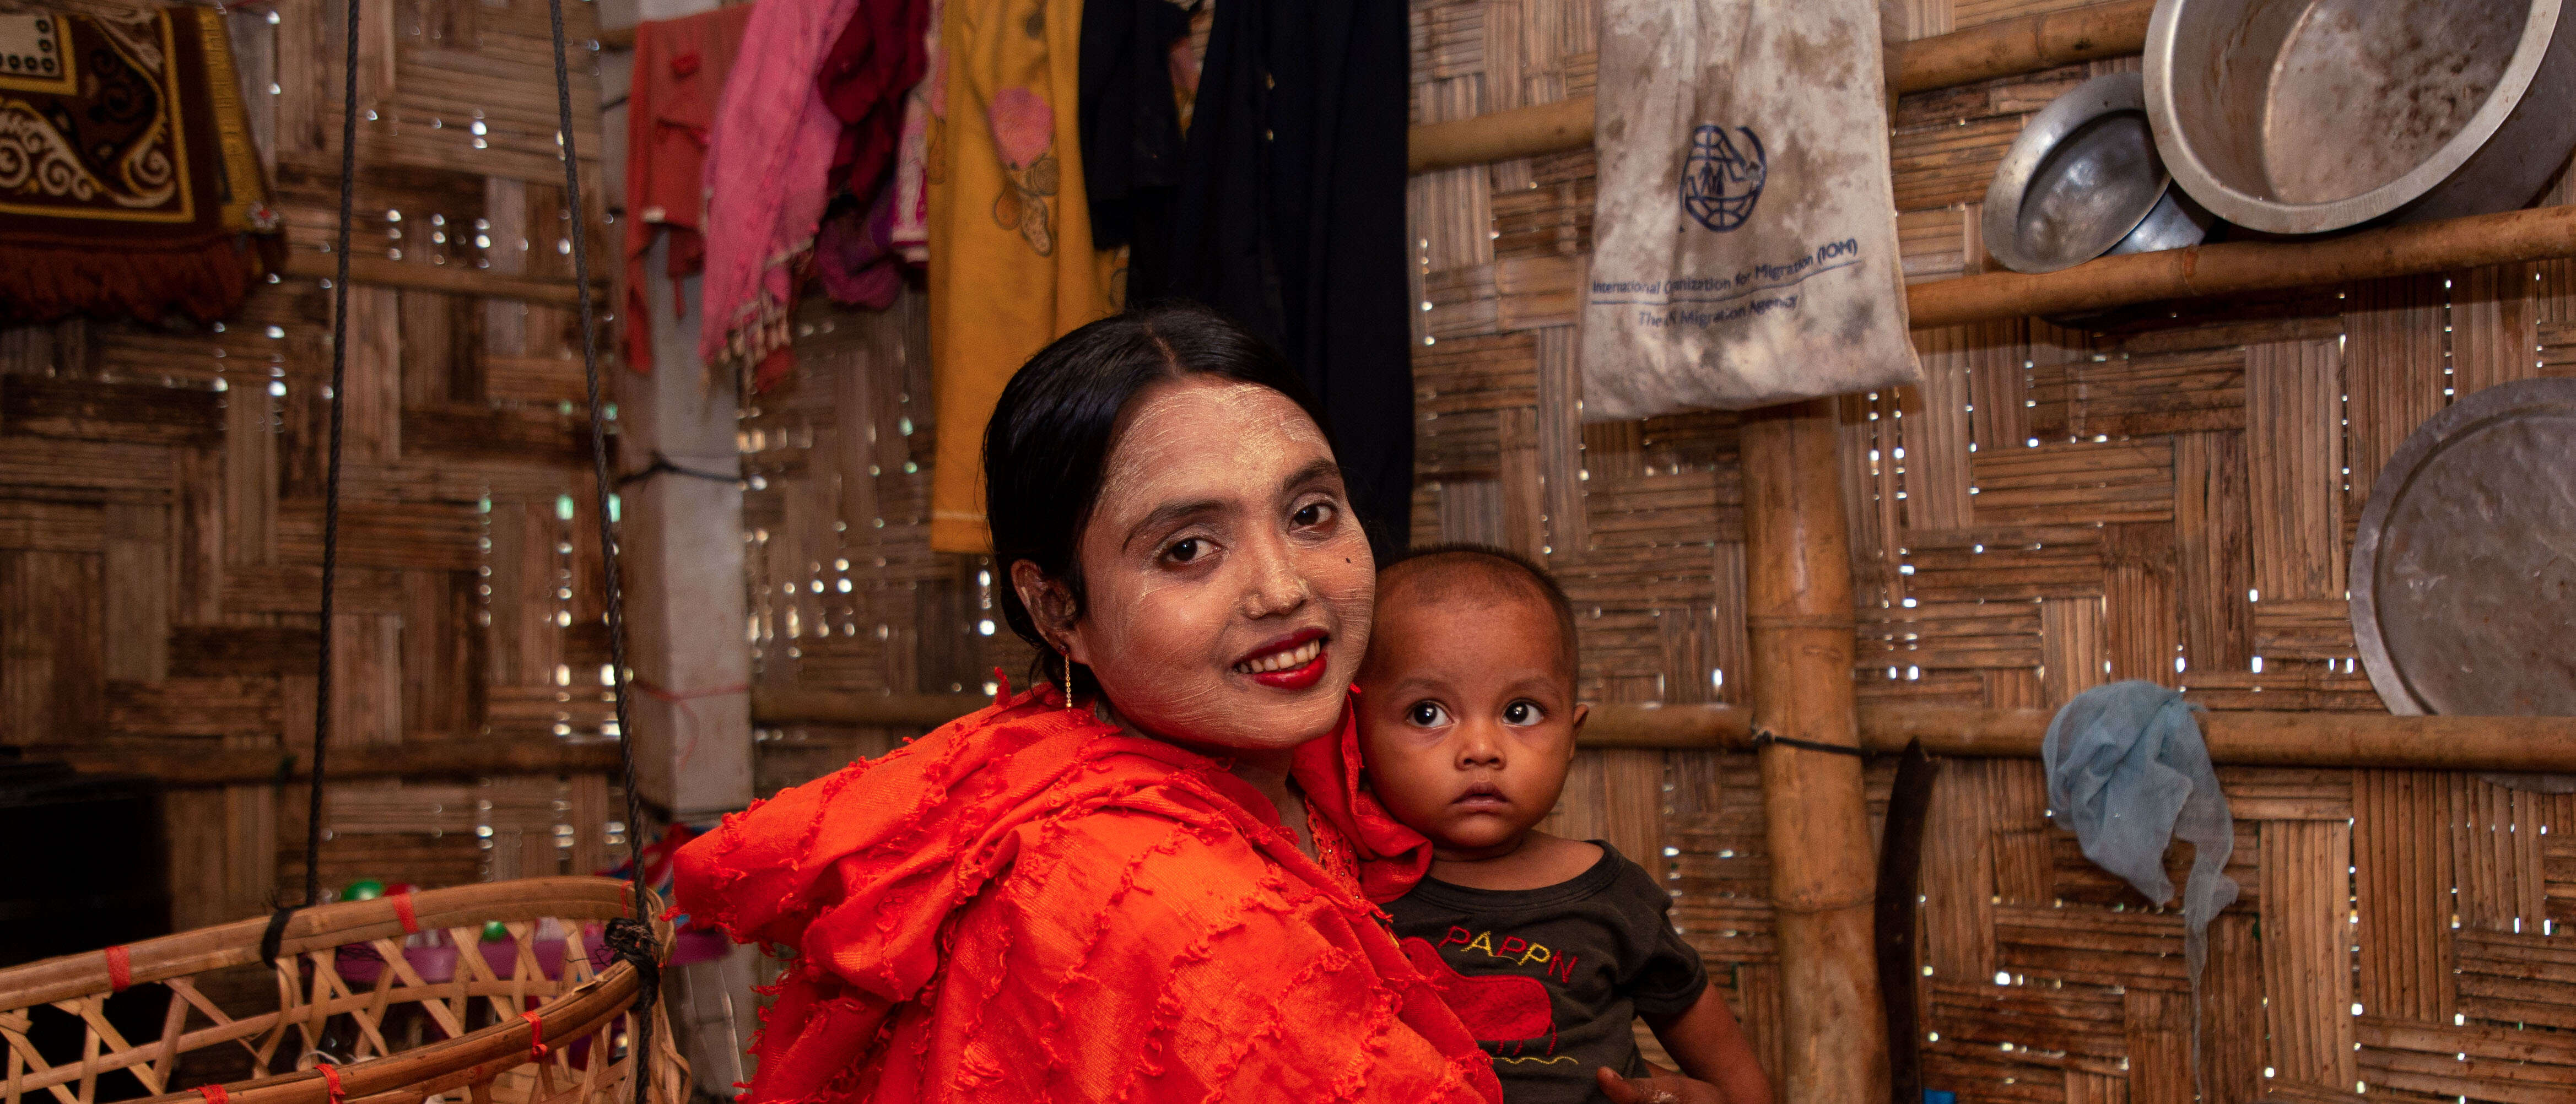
(598, 456)
(629, 936)
(270, 939)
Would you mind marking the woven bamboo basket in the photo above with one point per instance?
(549, 1040)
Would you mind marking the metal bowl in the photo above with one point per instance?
(2083, 180)
(2301, 116)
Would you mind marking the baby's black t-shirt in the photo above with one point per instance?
(1551, 980)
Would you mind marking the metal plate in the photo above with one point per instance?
(2464, 566)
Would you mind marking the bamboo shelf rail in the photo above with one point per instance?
(2254, 739)
(2266, 739)
(2263, 739)
(2509, 237)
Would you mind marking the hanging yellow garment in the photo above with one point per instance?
(1011, 262)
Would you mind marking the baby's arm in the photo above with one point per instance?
(1707, 1044)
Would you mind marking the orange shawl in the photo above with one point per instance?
(1028, 905)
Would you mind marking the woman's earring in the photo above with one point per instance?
(1068, 679)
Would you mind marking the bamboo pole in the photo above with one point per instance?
(2025, 45)
(1823, 877)
(458, 279)
(1500, 136)
(2266, 739)
(2009, 48)
(1668, 727)
(2253, 739)
(428, 758)
(2237, 267)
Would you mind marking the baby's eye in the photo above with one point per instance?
(1424, 714)
(1522, 713)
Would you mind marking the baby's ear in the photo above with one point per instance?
(1582, 713)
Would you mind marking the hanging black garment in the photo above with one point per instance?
(1131, 128)
(1290, 218)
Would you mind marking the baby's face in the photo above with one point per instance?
(1467, 718)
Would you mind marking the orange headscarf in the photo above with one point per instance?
(1028, 905)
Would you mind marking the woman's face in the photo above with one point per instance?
(1228, 584)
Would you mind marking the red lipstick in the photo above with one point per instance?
(1295, 678)
(1293, 662)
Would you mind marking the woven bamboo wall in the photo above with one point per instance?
(2052, 509)
(161, 486)
(846, 595)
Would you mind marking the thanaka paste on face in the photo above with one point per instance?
(1163, 643)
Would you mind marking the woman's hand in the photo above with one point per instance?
(1661, 1089)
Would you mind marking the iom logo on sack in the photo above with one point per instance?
(1722, 177)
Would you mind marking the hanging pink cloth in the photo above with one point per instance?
(680, 70)
(879, 58)
(768, 178)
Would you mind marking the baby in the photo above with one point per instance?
(1548, 948)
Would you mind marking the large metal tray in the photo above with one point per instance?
(2464, 565)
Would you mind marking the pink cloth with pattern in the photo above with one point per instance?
(767, 176)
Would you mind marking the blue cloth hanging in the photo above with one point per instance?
(2129, 774)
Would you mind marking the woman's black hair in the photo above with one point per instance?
(1048, 442)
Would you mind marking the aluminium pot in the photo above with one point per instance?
(2303, 116)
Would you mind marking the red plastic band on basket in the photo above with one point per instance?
(120, 968)
(536, 1034)
(214, 1094)
(402, 911)
(330, 1076)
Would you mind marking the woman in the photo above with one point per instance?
(1151, 891)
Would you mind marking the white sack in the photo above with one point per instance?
(1745, 240)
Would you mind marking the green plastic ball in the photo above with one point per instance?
(364, 889)
(495, 932)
